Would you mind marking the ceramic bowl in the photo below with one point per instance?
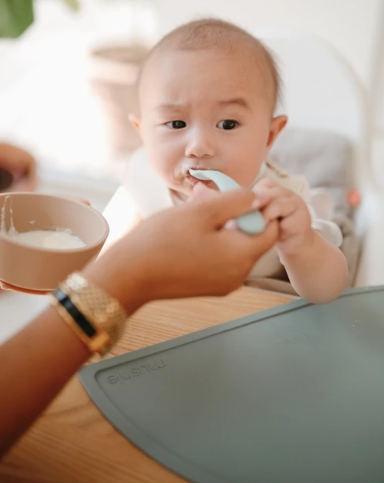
(35, 269)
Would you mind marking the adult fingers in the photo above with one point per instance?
(251, 248)
(200, 191)
(258, 245)
(222, 207)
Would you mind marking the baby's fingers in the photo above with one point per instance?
(280, 207)
(265, 184)
(264, 198)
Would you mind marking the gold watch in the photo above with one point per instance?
(97, 318)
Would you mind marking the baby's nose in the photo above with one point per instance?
(199, 146)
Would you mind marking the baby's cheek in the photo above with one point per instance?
(245, 173)
(173, 179)
(168, 177)
(243, 161)
(162, 165)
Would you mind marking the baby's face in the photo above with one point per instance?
(205, 110)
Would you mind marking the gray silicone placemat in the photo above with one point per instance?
(290, 395)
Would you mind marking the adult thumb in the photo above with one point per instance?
(223, 207)
(200, 192)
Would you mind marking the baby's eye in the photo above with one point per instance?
(177, 124)
(228, 124)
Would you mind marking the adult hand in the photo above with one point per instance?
(21, 165)
(184, 251)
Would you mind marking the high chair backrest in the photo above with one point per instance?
(322, 92)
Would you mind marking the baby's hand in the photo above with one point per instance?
(282, 204)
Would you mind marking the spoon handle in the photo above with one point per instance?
(251, 223)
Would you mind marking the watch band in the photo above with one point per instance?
(97, 318)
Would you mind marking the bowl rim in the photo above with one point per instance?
(87, 247)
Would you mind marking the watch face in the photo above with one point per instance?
(6, 180)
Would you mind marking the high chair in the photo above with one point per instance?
(321, 92)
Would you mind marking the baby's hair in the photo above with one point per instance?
(215, 34)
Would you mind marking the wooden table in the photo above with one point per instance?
(73, 443)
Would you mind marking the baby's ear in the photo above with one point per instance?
(135, 121)
(277, 125)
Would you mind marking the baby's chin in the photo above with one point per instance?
(181, 192)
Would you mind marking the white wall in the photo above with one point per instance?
(378, 86)
(352, 26)
(46, 103)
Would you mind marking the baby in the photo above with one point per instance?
(207, 96)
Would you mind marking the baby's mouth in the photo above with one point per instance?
(193, 181)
